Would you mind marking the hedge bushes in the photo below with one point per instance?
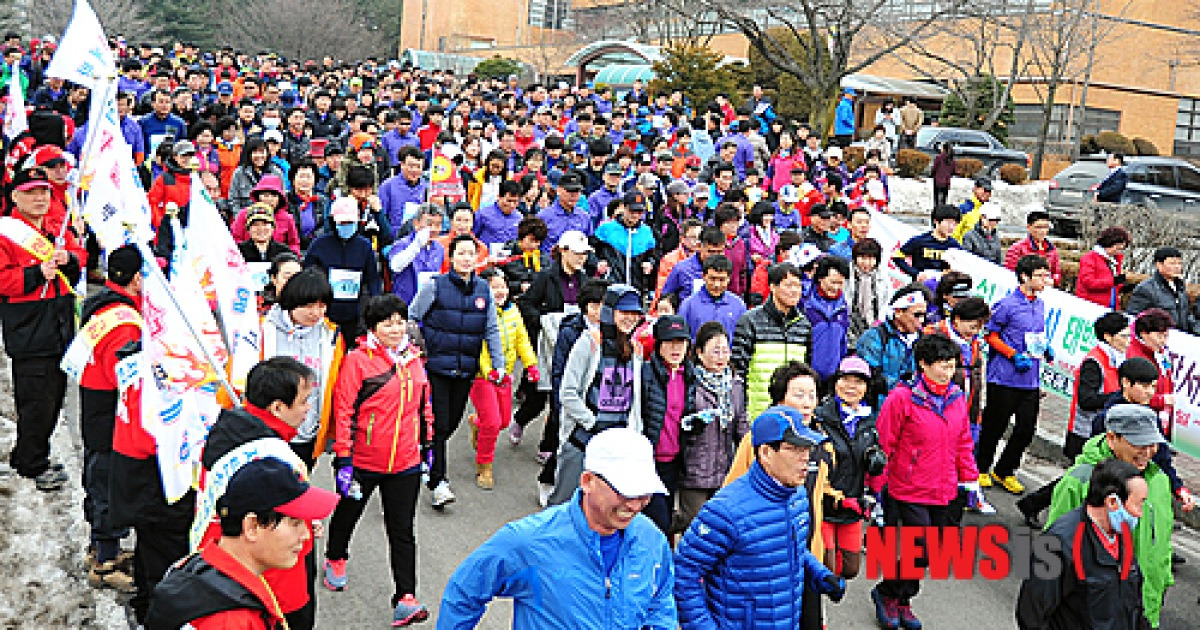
(1014, 174)
(911, 163)
(967, 167)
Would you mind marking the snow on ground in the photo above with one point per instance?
(43, 540)
(915, 196)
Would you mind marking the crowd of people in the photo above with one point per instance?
(688, 293)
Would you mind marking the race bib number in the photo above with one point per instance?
(346, 283)
(570, 309)
(1035, 343)
(410, 210)
(697, 284)
(259, 275)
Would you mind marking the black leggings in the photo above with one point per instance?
(450, 397)
(912, 514)
(399, 493)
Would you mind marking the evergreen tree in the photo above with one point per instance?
(973, 102)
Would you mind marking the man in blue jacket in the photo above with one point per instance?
(744, 561)
(843, 120)
(593, 562)
(1113, 186)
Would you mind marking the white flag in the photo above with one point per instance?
(178, 403)
(15, 122)
(224, 277)
(116, 208)
(83, 55)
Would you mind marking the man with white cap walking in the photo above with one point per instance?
(592, 562)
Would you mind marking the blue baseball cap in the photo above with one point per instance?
(224, 87)
(629, 302)
(783, 424)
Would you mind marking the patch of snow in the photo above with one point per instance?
(44, 538)
(915, 196)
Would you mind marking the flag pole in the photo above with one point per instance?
(75, 181)
(149, 258)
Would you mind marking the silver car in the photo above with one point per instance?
(1162, 183)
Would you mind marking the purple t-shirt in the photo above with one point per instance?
(668, 440)
(1021, 323)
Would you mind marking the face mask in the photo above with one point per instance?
(346, 231)
(1120, 516)
(271, 123)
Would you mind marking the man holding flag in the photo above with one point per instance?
(37, 316)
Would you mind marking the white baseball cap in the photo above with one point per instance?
(789, 194)
(834, 152)
(575, 241)
(625, 459)
(990, 210)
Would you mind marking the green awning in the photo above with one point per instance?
(623, 75)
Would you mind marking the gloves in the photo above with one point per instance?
(852, 504)
(1023, 363)
(533, 374)
(494, 376)
(1048, 355)
(975, 499)
(834, 587)
(506, 381)
(344, 476)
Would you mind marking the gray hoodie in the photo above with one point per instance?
(313, 346)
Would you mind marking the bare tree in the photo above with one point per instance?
(50, 17)
(302, 28)
(666, 22)
(836, 37)
(974, 46)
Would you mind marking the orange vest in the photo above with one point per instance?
(1111, 384)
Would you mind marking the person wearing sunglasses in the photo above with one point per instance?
(887, 346)
(746, 553)
(547, 564)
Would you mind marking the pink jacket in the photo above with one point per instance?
(930, 451)
(781, 169)
(1025, 247)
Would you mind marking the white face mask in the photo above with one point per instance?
(271, 123)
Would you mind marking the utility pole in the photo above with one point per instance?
(424, 16)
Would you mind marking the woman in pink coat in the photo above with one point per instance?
(1102, 270)
(924, 431)
(786, 157)
(270, 191)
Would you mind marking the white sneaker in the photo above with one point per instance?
(515, 432)
(442, 496)
(544, 492)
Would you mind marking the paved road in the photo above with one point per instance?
(443, 540)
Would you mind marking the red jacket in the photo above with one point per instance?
(1097, 278)
(384, 432)
(1025, 247)
(130, 438)
(1163, 387)
(170, 187)
(238, 618)
(20, 278)
(101, 372)
(929, 451)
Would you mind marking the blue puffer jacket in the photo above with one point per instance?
(456, 324)
(743, 561)
(830, 320)
(549, 563)
(891, 359)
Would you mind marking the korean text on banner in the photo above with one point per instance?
(15, 121)
(116, 208)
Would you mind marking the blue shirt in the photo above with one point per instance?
(702, 307)
(685, 278)
(393, 141)
(154, 129)
(559, 221)
(493, 226)
(396, 193)
(1021, 323)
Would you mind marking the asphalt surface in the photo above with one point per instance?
(445, 539)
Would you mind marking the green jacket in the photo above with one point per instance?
(763, 340)
(5, 77)
(1151, 538)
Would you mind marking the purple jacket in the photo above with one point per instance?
(559, 221)
(396, 193)
(429, 260)
(684, 278)
(702, 307)
(493, 226)
(392, 142)
(1018, 320)
(787, 220)
(830, 319)
(598, 203)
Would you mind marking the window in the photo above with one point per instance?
(553, 14)
(1187, 128)
(1153, 175)
(1027, 120)
(1189, 179)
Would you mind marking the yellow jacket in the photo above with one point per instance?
(741, 465)
(515, 340)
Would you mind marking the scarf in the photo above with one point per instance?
(532, 260)
(721, 384)
(851, 415)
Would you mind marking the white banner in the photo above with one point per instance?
(15, 122)
(116, 204)
(1069, 321)
(83, 55)
(225, 279)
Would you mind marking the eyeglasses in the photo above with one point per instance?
(920, 314)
